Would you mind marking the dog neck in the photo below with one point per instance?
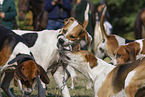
(100, 71)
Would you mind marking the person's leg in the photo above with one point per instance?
(51, 25)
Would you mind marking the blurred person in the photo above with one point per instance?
(7, 13)
(57, 10)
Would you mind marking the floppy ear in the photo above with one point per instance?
(91, 59)
(43, 75)
(18, 73)
(131, 52)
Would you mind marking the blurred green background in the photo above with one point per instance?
(122, 16)
(123, 13)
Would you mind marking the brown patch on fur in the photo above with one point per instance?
(29, 69)
(89, 58)
(77, 33)
(112, 44)
(77, 48)
(136, 46)
(115, 80)
(85, 23)
(138, 80)
(5, 54)
(127, 53)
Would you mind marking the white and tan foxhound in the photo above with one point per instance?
(108, 43)
(130, 52)
(44, 45)
(109, 81)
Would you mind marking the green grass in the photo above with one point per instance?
(52, 90)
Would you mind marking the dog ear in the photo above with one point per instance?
(18, 73)
(131, 52)
(91, 59)
(43, 75)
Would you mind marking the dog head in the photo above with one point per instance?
(81, 60)
(71, 33)
(101, 51)
(27, 71)
(124, 54)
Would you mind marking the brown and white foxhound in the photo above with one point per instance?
(130, 52)
(16, 61)
(109, 81)
(108, 43)
(44, 45)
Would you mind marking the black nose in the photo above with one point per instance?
(61, 41)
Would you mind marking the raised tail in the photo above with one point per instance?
(102, 23)
(86, 16)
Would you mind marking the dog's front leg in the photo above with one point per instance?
(41, 87)
(60, 81)
(6, 83)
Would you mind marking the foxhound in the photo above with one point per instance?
(130, 51)
(109, 81)
(108, 43)
(16, 61)
(44, 45)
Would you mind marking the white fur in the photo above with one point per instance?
(20, 48)
(103, 45)
(71, 27)
(45, 53)
(97, 74)
(128, 78)
(140, 41)
(86, 12)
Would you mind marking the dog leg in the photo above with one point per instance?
(60, 81)
(6, 83)
(89, 85)
(41, 88)
(73, 76)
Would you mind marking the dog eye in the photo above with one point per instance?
(102, 50)
(118, 55)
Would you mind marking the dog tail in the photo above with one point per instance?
(102, 23)
(86, 16)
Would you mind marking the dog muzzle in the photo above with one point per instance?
(63, 43)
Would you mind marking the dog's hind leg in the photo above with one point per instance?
(6, 83)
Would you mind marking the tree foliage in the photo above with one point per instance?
(123, 13)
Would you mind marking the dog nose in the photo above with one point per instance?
(27, 93)
(61, 41)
